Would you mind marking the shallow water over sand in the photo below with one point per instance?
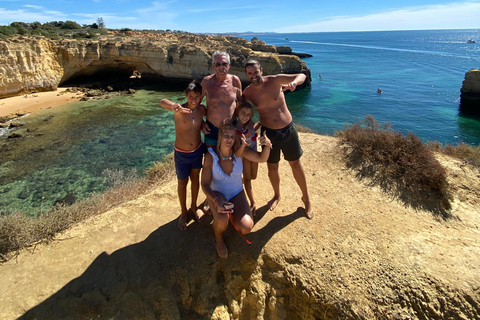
(65, 149)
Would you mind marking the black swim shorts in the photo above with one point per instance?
(286, 140)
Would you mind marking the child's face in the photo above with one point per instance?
(193, 98)
(244, 115)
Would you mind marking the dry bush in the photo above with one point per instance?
(303, 129)
(400, 164)
(467, 153)
(18, 231)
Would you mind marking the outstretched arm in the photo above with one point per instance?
(175, 107)
(291, 81)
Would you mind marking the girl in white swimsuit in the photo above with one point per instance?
(222, 183)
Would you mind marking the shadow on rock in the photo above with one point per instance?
(170, 275)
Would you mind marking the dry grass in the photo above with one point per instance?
(401, 165)
(18, 231)
(467, 153)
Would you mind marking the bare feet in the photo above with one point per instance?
(273, 202)
(182, 222)
(222, 250)
(253, 208)
(198, 214)
(206, 209)
(308, 209)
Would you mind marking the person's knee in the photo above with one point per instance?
(183, 183)
(246, 225)
(221, 222)
(296, 164)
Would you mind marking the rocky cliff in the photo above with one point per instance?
(470, 91)
(39, 64)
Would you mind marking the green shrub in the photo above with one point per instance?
(400, 164)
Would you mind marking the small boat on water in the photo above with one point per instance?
(471, 41)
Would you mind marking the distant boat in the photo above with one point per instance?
(471, 41)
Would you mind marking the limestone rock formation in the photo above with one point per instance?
(470, 91)
(39, 64)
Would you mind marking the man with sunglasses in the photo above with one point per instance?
(222, 91)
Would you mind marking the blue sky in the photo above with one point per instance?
(258, 16)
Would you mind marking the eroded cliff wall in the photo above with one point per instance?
(470, 91)
(38, 64)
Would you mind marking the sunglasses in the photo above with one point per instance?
(218, 64)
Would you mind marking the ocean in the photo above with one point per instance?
(420, 74)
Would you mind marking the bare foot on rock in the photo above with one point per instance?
(273, 202)
(198, 214)
(182, 222)
(222, 250)
(308, 209)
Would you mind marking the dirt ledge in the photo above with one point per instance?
(363, 256)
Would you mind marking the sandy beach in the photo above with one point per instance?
(36, 102)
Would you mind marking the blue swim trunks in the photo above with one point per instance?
(211, 138)
(185, 161)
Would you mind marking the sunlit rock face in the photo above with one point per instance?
(470, 92)
(29, 64)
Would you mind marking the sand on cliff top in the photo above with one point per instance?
(35, 102)
(363, 255)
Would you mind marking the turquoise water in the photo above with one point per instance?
(69, 147)
(420, 73)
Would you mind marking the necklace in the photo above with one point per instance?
(226, 158)
(192, 111)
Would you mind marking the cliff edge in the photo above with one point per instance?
(365, 255)
(32, 64)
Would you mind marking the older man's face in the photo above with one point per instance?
(221, 65)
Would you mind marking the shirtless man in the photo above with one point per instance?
(266, 93)
(222, 91)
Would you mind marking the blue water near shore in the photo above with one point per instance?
(419, 72)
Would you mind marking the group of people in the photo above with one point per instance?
(231, 157)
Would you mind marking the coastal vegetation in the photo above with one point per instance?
(66, 29)
(401, 165)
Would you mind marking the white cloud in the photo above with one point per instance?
(33, 6)
(456, 15)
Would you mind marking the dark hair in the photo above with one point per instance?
(193, 86)
(244, 105)
(251, 63)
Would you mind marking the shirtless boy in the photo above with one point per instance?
(222, 91)
(266, 93)
(189, 148)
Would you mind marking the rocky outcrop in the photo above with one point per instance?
(39, 64)
(470, 91)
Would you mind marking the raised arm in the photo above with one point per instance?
(256, 156)
(291, 81)
(172, 106)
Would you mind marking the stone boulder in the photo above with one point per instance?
(470, 92)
